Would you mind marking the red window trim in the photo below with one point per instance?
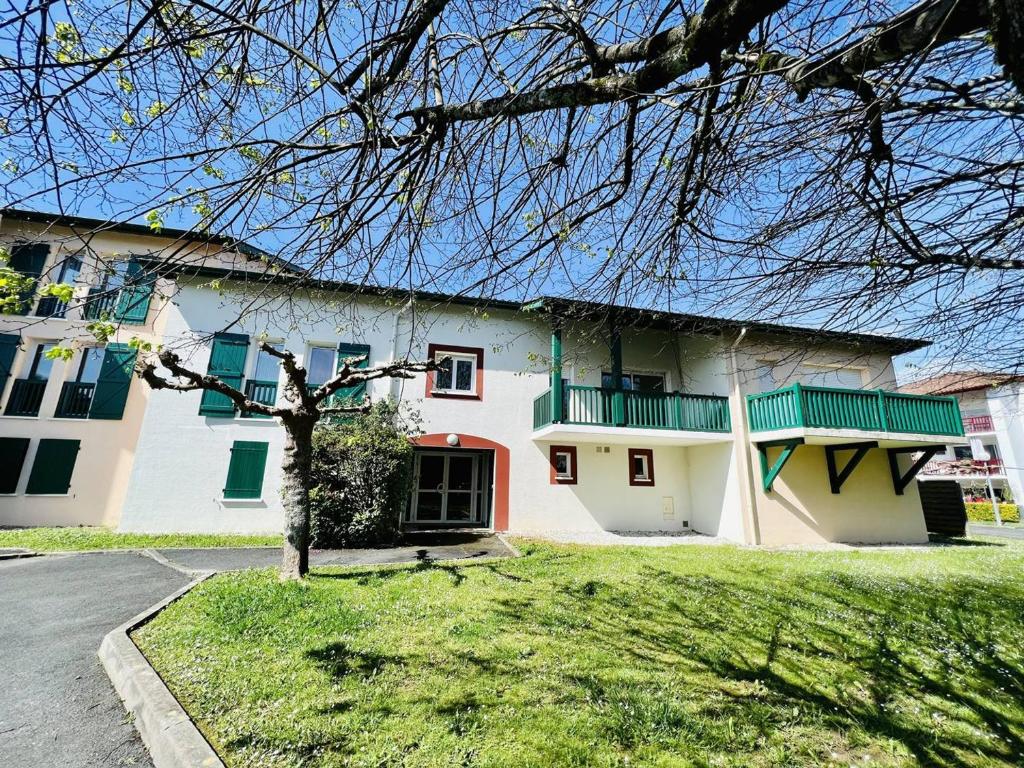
(571, 450)
(649, 453)
(433, 349)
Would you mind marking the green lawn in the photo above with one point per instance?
(78, 539)
(571, 656)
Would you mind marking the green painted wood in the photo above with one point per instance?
(557, 394)
(12, 459)
(227, 362)
(246, 469)
(114, 382)
(596, 406)
(618, 414)
(134, 298)
(53, 467)
(769, 472)
(264, 392)
(355, 394)
(868, 410)
(8, 351)
(542, 410)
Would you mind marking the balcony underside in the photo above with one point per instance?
(635, 436)
(836, 436)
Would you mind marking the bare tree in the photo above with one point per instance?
(305, 408)
(853, 164)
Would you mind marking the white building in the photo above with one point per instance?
(757, 433)
(992, 450)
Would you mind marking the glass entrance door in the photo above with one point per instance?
(447, 488)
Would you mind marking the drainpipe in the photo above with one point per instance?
(397, 384)
(748, 495)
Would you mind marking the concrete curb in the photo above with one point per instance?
(18, 555)
(169, 734)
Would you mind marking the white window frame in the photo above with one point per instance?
(456, 357)
(309, 358)
(256, 352)
(645, 460)
(570, 473)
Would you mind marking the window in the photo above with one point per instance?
(41, 364)
(563, 464)
(641, 466)
(90, 366)
(266, 368)
(635, 382)
(52, 468)
(320, 365)
(460, 373)
(245, 471)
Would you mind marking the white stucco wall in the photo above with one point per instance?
(1006, 405)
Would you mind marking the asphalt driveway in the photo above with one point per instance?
(58, 707)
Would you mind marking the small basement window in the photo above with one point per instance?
(563, 464)
(641, 466)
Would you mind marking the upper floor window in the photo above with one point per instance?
(90, 365)
(266, 367)
(320, 366)
(41, 364)
(635, 382)
(459, 372)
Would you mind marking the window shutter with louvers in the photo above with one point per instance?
(227, 362)
(357, 392)
(113, 383)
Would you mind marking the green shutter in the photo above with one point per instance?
(114, 381)
(12, 458)
(28, 259)
(53, 465)
(8, 349)
(245, 472)
(227, 361)
(133, 300)
(357, 392)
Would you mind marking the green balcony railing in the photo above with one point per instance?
(264, 392)
(101, 304)
(870, 410)
(26, 397)
(599, 406)
(75, 399)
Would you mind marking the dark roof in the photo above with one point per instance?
(959, 381)
(568, 309)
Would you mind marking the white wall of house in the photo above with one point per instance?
(1006, 406)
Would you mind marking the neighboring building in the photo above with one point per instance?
(992, 405)
(657, 421)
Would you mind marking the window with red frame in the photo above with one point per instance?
(460, 372)
(641, 466)
(563, 464)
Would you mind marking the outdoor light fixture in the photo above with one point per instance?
(452, 440)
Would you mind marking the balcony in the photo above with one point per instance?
(264, 392)
(978, 424)
(824, 412)
(964, 468)
(26, 397)
(75, 400)
(101, 304)
(51, 306)
(598, 414)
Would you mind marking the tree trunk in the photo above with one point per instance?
(296, 467)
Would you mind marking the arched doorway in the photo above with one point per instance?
(440, 446)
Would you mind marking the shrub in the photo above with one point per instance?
(362, 470)
(981, 512)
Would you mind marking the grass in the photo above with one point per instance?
(84, 538)
(574, 656)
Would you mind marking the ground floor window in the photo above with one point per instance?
(451, 488)
(245, 470)
(641, 466)
(563, 464)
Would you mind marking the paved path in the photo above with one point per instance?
(57, 707)
(1002, 531)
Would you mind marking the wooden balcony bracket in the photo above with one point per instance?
(769, 473)
(860, 450)
(901, 481)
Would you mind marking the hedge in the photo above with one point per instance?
(981, 512)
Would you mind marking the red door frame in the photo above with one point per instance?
(501, 466)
